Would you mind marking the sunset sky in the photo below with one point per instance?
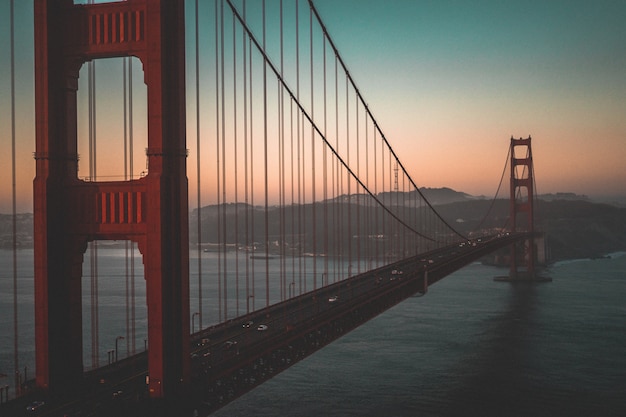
(452, 81)
(449, 82)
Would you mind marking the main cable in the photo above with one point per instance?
(506, 164)
(358, 93)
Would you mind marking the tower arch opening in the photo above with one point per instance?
(112, 120)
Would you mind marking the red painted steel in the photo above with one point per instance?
(152, 211)
(522, 199)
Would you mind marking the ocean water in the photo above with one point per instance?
(470, 347)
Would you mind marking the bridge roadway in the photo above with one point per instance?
(233, 357)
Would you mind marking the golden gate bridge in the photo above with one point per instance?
(246, 179)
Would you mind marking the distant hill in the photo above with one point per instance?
(575, 226)
(439, 196)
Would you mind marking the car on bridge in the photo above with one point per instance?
(229, 344)
(35, 405)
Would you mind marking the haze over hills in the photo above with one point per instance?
(575, 226)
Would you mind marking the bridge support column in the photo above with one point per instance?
(523, 255)
(152, 211)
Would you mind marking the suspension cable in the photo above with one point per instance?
(245, 140)
(358, 93)
(222, 206)
(305, 114)
(506, 164)
(217, 154)
(95, 355)
(313, 197)
(131, 166)
(126, 243)
(252, 199)
(14, 206)
(198, 173)
(235, 139)
(266, 172)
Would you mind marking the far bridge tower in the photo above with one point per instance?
(524, 253)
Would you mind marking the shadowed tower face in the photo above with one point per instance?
(151, 211)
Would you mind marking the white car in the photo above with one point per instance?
(262, 327)
(35, 405)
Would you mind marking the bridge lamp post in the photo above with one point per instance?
(248, 302)
(2, 389)
(118, 338)
(193, 324)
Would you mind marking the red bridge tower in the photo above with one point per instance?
(522, 209)
(152, 211)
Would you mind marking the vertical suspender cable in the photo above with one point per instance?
(397, 196)
(266, 185)
(128, 175)
(198, 173)
(126, 243)
(223, 205)
(376, 252)
(325, 167)
(131, 157)
(223, 178)
(313, 205)
(281, 164)
(252, 209)
(14, 208)
(404, 217)
(358, 173)
(91, 247)
(245, 142)
(339, 182)
(235, 163)
(391, 222)
(292, 285)
(94, 244)
(349, 179)
(281, 186)
(366, 219)
(384, 216)
(302, 158)
(299, 188)
(217, 154)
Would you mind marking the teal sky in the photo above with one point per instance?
(449, 82)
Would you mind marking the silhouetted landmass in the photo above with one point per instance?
(575, 227)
